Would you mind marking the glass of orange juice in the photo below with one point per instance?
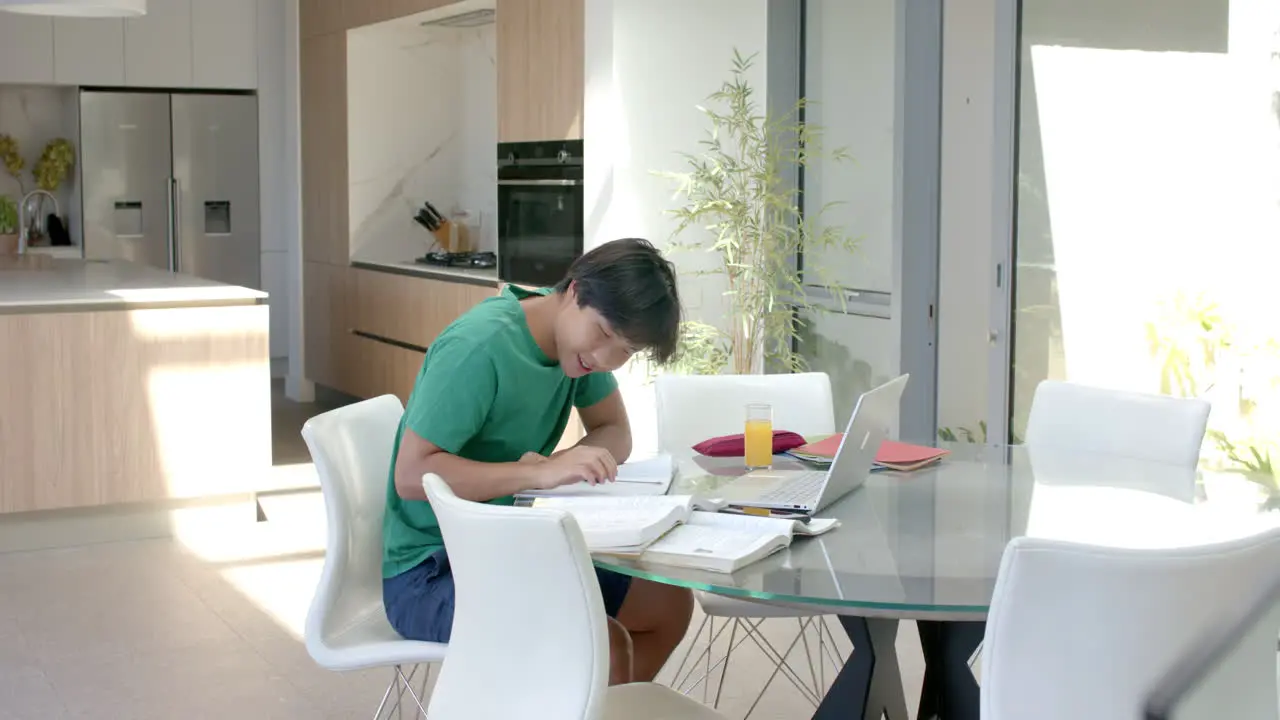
(758, 437)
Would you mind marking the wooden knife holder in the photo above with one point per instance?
(453, 237)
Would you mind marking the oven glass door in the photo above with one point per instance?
(540, 227)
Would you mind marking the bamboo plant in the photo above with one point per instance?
(737, 189)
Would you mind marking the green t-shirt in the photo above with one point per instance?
(486, 392)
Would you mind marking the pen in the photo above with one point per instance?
(766, 512)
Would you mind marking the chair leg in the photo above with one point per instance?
(402, 684)
(408, 687)
(712, 637)
(724, 672)
(377, 714)
(675, 678)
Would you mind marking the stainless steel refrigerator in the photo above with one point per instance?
(171, 180)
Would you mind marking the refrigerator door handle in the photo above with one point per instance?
(173, 224)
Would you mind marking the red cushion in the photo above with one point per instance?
(736, 446)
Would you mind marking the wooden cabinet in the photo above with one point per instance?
(26, 49)
(383, 368)
(157, 46)
(393, 311)
(224, 43)
(410, 309)
(324, 149)
(326, 326)
(540, 69)
(88, 51)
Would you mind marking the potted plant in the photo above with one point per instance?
(8, 225)
(736, 189)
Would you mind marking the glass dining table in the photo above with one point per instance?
(927, 546)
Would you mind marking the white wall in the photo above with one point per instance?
(422, 126)
(273, 175)
(649, 64)
(287, 41)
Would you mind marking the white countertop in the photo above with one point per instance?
(55, 284)
(472, 276)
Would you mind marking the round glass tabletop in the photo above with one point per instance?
(928, 544)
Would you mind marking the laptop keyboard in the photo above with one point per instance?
(803, 489)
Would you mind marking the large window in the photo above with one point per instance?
(1148, 208)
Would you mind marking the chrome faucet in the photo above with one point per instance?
(23, 228)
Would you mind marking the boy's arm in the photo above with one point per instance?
(607, 426)
(470, 480)
(450, 401)
(448, 407)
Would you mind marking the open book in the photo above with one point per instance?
(624, 525)
(638, 477)
(720, 542)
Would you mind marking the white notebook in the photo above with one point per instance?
(637, 478)
(623, 525)
(720, 542)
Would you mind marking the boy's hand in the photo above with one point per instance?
(533, 457)
(576, 464)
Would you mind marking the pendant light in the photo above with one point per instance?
(77, 8)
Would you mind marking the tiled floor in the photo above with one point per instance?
(209, 625)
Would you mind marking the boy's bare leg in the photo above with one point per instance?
(657, 617)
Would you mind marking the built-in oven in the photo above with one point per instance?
(540, 210)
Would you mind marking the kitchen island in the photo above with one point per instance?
(121, 383)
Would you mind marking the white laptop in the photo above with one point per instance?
(811, 491)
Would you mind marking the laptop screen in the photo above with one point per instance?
(1231, 672)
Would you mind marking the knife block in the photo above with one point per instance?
(453, 237)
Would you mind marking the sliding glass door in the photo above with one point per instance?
(1147, 225)
(871, 78)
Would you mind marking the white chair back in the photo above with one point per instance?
(529, 638)
(1079, 631)
(693, 408)
(1084, 419)
(351, 448)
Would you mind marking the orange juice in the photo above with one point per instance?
(758, 441)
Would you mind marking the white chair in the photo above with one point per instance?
(347, 627)
(1078, 631)
(530, 638)
(1084, 419)
(1073, 422)
(693, 408)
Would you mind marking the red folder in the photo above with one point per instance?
(892, 454)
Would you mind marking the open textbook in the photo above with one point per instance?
(647, 477)
(719, 542)
(680, 530)
(625, 524)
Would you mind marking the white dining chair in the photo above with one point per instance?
(693, 408)
(530, 636)
(1081, 631)
(1071, 424)
(347, 627)
(1083, 419)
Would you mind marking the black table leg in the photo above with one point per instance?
(869, 686)
(950, 691)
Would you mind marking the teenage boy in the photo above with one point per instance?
(489, 407)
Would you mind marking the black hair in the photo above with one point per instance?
(633, 287)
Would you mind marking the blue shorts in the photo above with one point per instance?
(419, 601)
